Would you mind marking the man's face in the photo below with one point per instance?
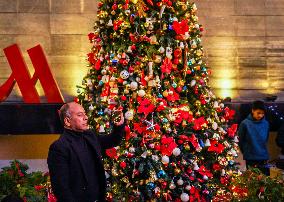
(78, 120)
(257, 114)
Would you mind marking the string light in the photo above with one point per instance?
(275, 111)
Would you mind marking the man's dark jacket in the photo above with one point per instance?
(68, 174)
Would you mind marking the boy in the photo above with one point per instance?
(253, 135)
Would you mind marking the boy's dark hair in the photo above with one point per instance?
(64, 112)
(258, 104)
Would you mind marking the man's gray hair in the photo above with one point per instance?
(64, 112)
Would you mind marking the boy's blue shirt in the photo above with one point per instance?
(253, 136)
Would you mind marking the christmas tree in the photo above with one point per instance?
(146, 59)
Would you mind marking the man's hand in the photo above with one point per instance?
(117, 117)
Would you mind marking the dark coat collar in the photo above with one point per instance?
(72, 136)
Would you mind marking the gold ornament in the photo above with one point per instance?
(187, 147)
(177, 171)
(165, 93)
(197, 103)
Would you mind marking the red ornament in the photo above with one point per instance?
(114, 7)
(177, 52)
(98, 65)
(125, 62)
(150, 2)
(122, 164)
(131, 69)
(91, 36)
(125, 6)
(133, 47)
(176, 61)
(188, 71)
(136, 172)
(100, 4)
(120, 80)
(130, 155)
(164, 184)
(123, 98)
(76, 99)
(179, 89)
(157, 147)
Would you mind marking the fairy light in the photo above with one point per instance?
(275, 111)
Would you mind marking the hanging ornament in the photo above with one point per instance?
(102, 129)
(124, 74)
(180, 182)
(188, 187)
(153, 40)
(161, 49)
(207, 143)
(91, 107)
(165, 159)
(110, 24)
(177, 53)
(157, 59)
(184, 197)
(193, 44)
(133, 85)
(150, 65)
(205, 177)
(176, 151)
(214, 126)
(141, 93)
(161, 174)
(129, 115)
(122, 164)
(169, 52)
(172, 185)
(192, 83)
(196, 167)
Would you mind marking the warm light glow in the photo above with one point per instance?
(226, 93)
(226, 83)
(225, 73)
(225, 87)
(82, 5)
(76, 76)
(271, 91)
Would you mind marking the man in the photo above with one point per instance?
(75, 159)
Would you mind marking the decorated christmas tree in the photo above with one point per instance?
(146, 59)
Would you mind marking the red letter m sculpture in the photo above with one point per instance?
(26, 83)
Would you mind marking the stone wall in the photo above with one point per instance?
(244, 46)
(243, 42)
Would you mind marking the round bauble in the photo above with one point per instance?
(124, 74)
(165, 159)
(176, 152)
(133, 85)
(184, 197)
(129, 115)
(141, 93)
